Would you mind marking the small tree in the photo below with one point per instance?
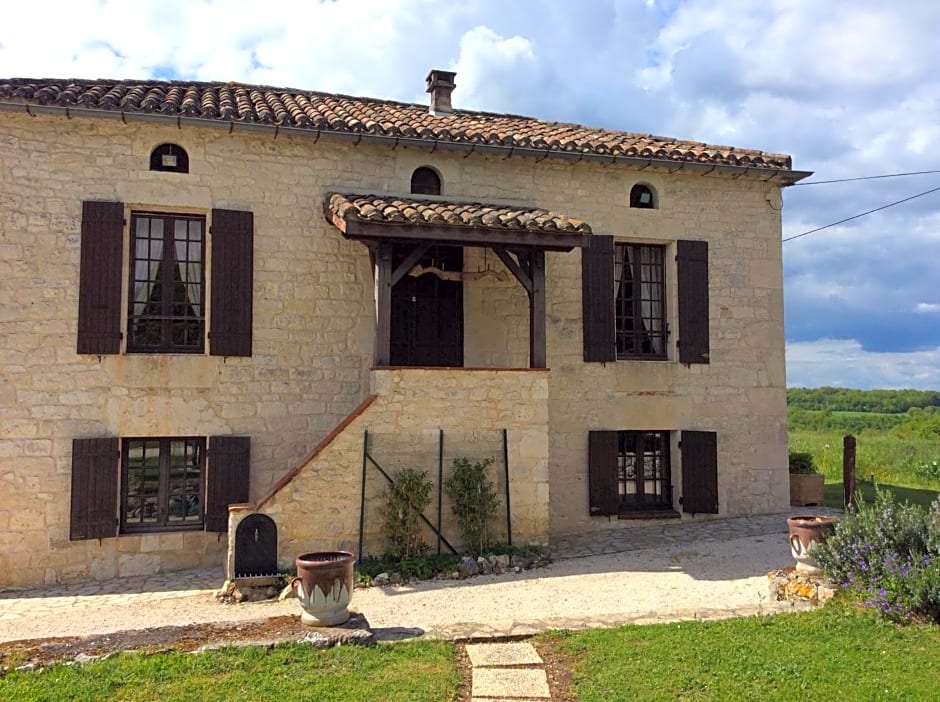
(473, 501)
(405, 500)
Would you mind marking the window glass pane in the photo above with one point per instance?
(643, 459)
(639, 305)
(166, 305)
(163, 482)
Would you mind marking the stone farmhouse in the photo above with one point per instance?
(219, 300)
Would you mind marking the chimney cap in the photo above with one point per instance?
(441, 84)
(440, 79)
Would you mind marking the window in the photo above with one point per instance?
(643, 470)
(627, 319)
(630, 473)
(425, 181)
(641, 196)
(165, 310)
(639, 291)
(162, 483)
(170, 158)
(156, 484)
(168, 295)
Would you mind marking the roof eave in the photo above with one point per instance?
(779, 176)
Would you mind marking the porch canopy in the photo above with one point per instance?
(519, 236)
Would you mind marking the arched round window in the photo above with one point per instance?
(425, 181)
(170, 158)
(642, 196)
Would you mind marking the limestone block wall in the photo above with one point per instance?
(314, 320)
(319, 509)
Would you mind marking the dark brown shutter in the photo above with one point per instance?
(94, 488)
(226, 478)
(602, 473)
(699, 472)
(692, 270)
(232, 280)
(597, 299)
(99, 287)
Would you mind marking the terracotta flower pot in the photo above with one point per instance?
(807, 489)
(324, 586)
(805, 533)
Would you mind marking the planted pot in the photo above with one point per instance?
(806, 489)
(324, 586)
(806, 532)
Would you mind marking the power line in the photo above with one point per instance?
(849, 219)
(874, 177)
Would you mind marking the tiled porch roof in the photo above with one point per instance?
(378, 209)
(341, 114)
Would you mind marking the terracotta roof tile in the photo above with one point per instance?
(340, 113)
(379, 209)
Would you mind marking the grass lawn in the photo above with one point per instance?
(834, 495)
(409, 671)
(829, 654)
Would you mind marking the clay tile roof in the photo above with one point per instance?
(299, 109)
(379, 209)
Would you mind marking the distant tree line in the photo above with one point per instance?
(917, 422)
(851, 400)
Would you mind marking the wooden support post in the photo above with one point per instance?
(383, 305)
(537, 347)
(848, 469)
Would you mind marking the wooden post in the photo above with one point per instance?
(383, 304)
(848, 469)
(537, 351)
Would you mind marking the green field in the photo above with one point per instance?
(896, 449)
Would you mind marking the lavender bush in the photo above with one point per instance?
(887, 555)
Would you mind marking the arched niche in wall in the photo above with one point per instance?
(643, 197)
(170, 158)
(425, 181)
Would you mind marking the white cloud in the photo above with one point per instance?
(927, 308)
(848, 87)
(843, 363)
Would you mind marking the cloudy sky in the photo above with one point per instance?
(850, 88)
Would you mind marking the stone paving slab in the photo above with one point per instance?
(510, 683)
(489, 655)
(675, 533)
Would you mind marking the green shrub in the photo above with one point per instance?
(802, 463)
(473, 501)
(405, 501)
(886, 555)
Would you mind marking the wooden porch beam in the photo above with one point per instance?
(514, 268)
(466, 236)
(410, 260)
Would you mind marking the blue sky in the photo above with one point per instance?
(848, 87)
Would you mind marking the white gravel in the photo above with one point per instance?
(704, 580)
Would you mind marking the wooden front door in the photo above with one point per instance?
(427, 312)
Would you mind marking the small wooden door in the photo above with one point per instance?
(427, 312)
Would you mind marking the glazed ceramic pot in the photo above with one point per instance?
(324, 585)
(805, 533)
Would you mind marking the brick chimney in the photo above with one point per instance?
(441, 84)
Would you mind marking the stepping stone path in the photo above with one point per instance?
(507, 671)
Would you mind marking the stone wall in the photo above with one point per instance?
(319, 509)
(314, 322)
